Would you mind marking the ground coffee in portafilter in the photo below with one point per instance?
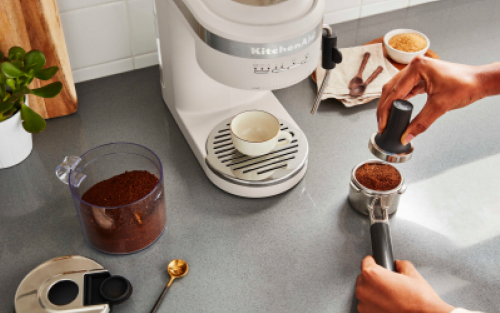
(380, 177)
(134, 225)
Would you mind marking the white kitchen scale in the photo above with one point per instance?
(219, 58)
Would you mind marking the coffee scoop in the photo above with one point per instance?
(387, 146)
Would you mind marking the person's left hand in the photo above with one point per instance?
(382, 291)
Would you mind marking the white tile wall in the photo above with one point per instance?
(142, 26)
(97, 35)
(106, 37)
(372, 7)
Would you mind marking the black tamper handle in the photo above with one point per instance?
(331, 55)
(382, 245)
(399, 119)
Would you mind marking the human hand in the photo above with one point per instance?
(448, 86)
(382, 291)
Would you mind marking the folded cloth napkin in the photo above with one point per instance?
(341, 75)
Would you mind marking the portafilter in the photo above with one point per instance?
(378, 205)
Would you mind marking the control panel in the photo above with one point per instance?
(278, 68)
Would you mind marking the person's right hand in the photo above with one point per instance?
(382, 291)
(448, 86)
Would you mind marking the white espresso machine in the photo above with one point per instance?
(222, 57)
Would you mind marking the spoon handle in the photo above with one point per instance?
(374, 75)
(160, 298)
(363, 64)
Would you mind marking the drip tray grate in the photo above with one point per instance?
(272, 168)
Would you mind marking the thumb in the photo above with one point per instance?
(429, 114)
(406, 268)
(367, 262)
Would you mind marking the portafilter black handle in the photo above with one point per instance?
(399, 119)
(382, 245)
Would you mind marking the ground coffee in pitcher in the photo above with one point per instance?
(134, 224)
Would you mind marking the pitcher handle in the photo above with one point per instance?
(69, 163)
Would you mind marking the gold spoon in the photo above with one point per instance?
(176, 268)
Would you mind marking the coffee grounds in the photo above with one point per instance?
(134, 225)
(122, 189)
(380, 177)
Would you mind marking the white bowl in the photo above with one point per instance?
(401, 56)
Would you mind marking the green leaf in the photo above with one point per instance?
(17, 63)
(34, 60)
(21, 92)
(16, 107)
(1, 56)
(3, 92)
(21, 82)
(46, 73)
(32, 122)
(5, 106)
(10, 70)
(3, 78)
(16, 53)
(13, 110)
(11, 83)
(9, 104)
(49, 91)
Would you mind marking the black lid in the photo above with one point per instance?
(116, 289)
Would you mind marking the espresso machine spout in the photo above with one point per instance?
(331, 56)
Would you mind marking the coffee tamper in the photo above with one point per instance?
(387, 146)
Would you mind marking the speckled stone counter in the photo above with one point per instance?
(299, 251)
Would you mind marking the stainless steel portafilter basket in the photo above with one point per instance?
(387, 146)
(361, 197)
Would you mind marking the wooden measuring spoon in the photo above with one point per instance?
(357, 80)
(359, 90)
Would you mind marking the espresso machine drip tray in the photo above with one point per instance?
(275, 167)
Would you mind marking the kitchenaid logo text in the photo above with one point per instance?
(281, 49)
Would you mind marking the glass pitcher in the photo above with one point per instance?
(120, 229)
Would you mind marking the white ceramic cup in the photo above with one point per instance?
(255, 133)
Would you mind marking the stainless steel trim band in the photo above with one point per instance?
(260, 3)
(259, 50)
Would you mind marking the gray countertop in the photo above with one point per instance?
(299, 251)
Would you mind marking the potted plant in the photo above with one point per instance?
(17, 120)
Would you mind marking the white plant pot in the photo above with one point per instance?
(15, 143)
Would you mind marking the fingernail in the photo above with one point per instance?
(408, 138)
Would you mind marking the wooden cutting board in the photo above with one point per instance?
(35, 24)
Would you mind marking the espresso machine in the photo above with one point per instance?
(220, 58)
